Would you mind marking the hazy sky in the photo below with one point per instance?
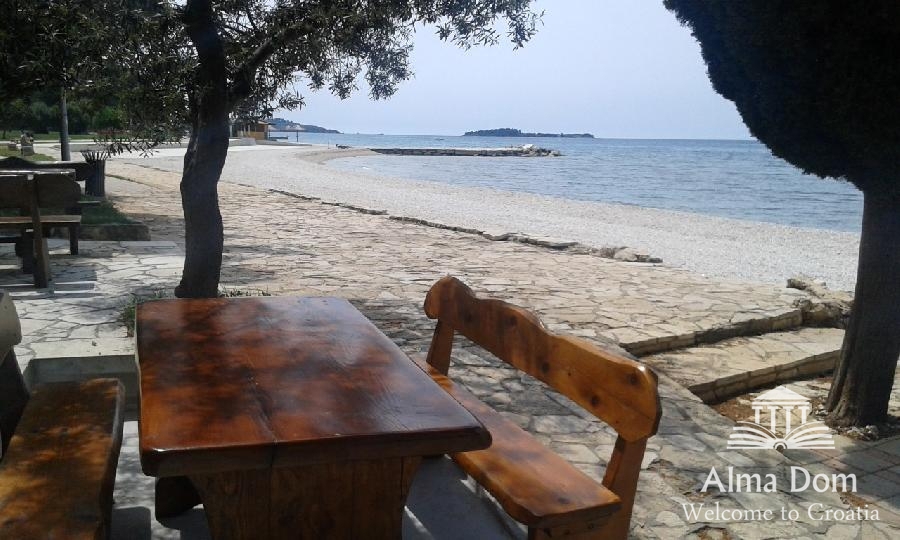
(614, 68)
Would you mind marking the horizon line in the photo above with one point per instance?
(504, 137)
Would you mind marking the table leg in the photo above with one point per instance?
(351, 499)
(174, 496)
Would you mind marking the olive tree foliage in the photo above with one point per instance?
(819, 84)
(50, 44)
(190, 65)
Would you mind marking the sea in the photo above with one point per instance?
(724, 178)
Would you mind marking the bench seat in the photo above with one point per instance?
(57, 476)
(533, 484)
(21, 223)
(24, 222)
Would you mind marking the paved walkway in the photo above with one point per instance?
(289, 245)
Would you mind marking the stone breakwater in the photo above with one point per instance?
(527, 150)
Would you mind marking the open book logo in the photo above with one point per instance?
(781, 404)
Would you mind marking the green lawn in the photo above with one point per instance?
(5, 152)
(104, 212)
(54, 136)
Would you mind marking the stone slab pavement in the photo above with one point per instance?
(289, 245)
(735, 366)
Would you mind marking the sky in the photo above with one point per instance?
(614, 68)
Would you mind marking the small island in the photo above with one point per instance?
(512, 132)
(280, 124)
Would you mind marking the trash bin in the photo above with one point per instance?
(95, 183)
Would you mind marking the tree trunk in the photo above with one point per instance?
(65, 155)
(864, 376)
(205, 157)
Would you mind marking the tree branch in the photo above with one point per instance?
(242, 82)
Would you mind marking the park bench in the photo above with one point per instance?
(534, 485)
(28, 192)
(84, 172)
(60, 447)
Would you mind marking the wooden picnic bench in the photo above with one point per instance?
(84, 172)
(28, 192)
(534, 485)
(60, 447)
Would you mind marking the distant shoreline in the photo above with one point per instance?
(512, 132)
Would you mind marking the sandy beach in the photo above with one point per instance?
(716, 247)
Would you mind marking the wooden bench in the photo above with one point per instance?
(28, 192)
(533, 484)
(84, 171)
(60, 449)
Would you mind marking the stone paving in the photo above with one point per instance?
(735, 366)
(290, 245)
(82, 312)
(302, 245)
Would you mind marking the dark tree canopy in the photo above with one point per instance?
(190, 66)
(817, 82)
(269, 48)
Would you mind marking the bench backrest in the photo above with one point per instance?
(621, 392)
(13, 394)
(45, 190)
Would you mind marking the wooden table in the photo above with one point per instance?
(292, 417)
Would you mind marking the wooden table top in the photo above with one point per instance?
(245, 383)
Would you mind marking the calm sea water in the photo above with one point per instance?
(735, 179)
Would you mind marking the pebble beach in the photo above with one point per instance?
(717, 247)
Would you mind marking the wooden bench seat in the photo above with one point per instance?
(61, 446)
(534, 485)
(57, 476)
(72, 222)
(23, 223)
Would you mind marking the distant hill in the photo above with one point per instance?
(280, 124)
(512, 132)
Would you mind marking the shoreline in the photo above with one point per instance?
(724, 248)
